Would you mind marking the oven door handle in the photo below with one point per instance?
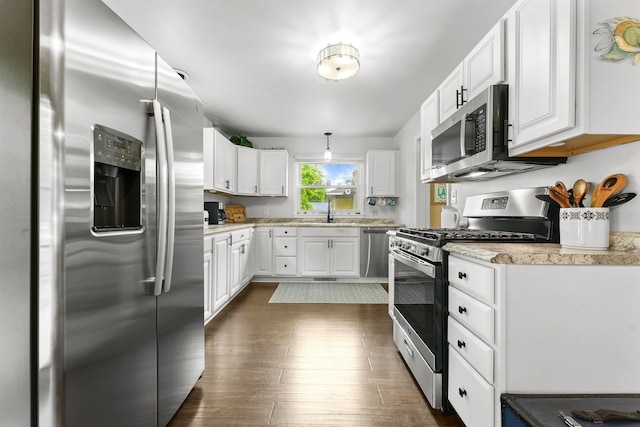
(416, 264)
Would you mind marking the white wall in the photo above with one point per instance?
(592, 167)
(282, 207)
(408, 174)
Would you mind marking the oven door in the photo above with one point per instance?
(418, 304)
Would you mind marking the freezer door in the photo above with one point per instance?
(109, 313)
(180, 308)
(17, 273)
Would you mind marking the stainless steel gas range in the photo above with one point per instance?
(418, 275)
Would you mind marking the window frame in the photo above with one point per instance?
(359, 187)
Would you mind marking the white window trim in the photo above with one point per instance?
(336, 159)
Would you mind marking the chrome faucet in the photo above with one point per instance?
(329, 217)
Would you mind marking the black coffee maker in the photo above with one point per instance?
(217, 214)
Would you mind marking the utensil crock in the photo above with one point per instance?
(584, 228)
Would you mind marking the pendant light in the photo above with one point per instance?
(327, 152)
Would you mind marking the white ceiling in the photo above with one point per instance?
(253, 62)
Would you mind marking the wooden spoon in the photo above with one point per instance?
(580, 189)
(611, 185)
(559, 198)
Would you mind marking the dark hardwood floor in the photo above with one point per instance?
(304, 365)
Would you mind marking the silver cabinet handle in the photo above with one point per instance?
(283, 189)
(269, 233)
(255, 189)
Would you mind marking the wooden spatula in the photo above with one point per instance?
(611, 185)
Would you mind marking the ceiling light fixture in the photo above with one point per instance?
(338, 61)
(327, 152)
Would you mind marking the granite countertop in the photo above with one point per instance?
(302, 222)
(624, 250)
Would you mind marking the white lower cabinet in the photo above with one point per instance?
(239, 262)
(208, 278)
(220, 285)
(329, 251)
(227, 268)
(470, 394)
(307, 251)
(263, 253)
(285, 244)
(539, 329)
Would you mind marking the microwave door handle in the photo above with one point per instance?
(463, 131)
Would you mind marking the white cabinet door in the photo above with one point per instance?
(263, 251)
(236, 267)
(221, 268)
(208, 278)
(314, 255)
(249, 252)
(247, 171)
(345, 257)
(429, 119)
(381, 173)
(451, 92)
(273, 173)
(225, 158)
(484, 66)
(322, 256)
(541, 70)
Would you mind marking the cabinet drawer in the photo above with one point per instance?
(429, 382)
(285, 246)
(471, 396)
(285, 266)
(285, 231)
(472, 313)
(478, 280)
(239, 235)
(473, 349)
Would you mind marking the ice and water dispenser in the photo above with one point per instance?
(116, 181)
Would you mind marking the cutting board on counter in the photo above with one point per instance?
(236, 213)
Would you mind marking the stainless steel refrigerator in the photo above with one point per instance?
(101, 278)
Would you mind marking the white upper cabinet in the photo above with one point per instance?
(566, 97)
(220, 162)
(233, 169)
(381, 173)
(274, 175)
(485, 65)
(452, 92)
(248, 171)
(429, 119)
(482, 67)
(542, 69)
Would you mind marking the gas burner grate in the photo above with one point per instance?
(439, 236)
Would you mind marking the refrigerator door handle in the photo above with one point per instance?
(161, 243)
(171, 192)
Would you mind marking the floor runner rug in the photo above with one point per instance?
(329, 293)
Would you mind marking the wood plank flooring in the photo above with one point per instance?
(304, 365)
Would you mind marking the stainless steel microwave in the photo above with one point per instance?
(472, 144)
